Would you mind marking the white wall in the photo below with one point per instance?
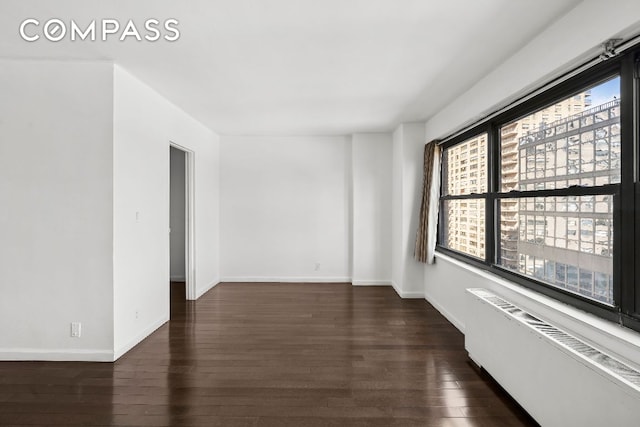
(412, 156)
(285, 208)
(144, 124)
(566, 43)
(408, 145)
(397, 254)
(177, 212)
(371, 225)
(55, 209)
(568, 40)
(85, 208)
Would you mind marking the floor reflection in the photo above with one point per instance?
(272, 354)
(60, 393)
(182, 360)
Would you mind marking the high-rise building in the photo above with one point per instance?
(565, 241)
(466, 172)
(510, 137)
(467, 162)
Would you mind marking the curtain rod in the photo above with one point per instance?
(554, 82)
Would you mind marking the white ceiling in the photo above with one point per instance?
(300, 67)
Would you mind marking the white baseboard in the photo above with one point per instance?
(56, 355)
(396, 288)
(412, 295)
(204, 290)
(406, 295)
(306, 279)
(138, 338)
(447, 314)
(177, 279)
(371, 283)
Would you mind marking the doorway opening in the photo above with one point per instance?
(181, 239)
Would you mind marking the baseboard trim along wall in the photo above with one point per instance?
(138, 338)
(412, 295)
(371, 283)
(447, 314)
(56, 355)
(401, 294)
(306, 279)
(406, 295)
(204, 290)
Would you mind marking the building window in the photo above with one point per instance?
(548, 205)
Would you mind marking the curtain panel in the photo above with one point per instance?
(428, 219)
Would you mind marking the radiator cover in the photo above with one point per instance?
(559, 379)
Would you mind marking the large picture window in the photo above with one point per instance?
(575, 142)
(541, 194)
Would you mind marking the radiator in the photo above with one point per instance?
(557, 378)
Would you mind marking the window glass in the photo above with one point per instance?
(565, 241)
(464, 221)
(465, 167)
(575, 141)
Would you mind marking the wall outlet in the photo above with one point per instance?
(317, 266)
(76, 329)
(137, 314)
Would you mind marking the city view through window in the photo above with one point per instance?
(565, 240)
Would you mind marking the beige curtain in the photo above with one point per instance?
(428, 220)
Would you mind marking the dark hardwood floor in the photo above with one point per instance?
(272, 355)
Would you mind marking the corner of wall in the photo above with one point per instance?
(145, 125)
(408, 140)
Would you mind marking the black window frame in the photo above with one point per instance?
(472, 133)
(626, 194)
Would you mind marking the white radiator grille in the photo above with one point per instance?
(616, 368)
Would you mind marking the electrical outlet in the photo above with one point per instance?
(317, 266)
(137, 314)
(76, 329)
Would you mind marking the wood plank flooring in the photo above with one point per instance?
(272, 355)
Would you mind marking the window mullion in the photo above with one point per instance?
(491, 210)
(624, 232)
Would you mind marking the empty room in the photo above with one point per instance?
(320, 213)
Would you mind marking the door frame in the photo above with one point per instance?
(190, 223)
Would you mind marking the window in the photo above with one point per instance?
(542, 230)
(465, 219)
(551, 202)
(556, 156)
